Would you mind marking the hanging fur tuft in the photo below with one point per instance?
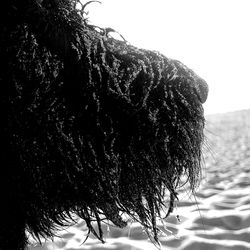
(90, 125)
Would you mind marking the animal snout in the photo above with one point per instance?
(201, 88)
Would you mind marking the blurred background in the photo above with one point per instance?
(210, 36)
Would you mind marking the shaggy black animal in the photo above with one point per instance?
(90, 125)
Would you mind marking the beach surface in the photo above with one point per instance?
(215, 217)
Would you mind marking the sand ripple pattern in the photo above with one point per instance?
(217, 217)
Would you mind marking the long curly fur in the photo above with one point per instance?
(90, 125)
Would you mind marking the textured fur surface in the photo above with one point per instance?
(91, 125)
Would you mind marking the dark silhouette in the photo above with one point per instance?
(90, 125)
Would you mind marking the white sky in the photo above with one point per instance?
(210, 36)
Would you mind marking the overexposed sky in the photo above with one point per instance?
(212, 37)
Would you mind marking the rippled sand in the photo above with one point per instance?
(217, 217)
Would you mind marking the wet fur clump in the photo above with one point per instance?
(90, 125)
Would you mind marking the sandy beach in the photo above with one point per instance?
(216, 217)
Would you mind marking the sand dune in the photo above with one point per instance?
(216, 217)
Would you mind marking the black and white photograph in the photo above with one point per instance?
(125, 125)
